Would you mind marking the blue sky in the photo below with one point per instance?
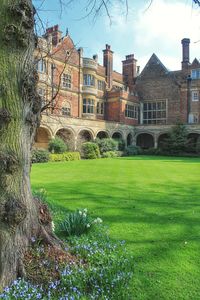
(158, 29)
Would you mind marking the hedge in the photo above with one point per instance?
(66, 156)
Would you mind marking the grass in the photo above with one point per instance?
(151, 202)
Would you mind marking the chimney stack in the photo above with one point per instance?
(129, 70)
(108, 64)
(185, 53)
(55, 33)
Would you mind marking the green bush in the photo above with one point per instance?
(57, 145)
(77, 223)
(133, 150)
(39, 156)
(109, 154)
(198, 145)
(151, 151)
(106, 145)
(66, 156)
(90, 150)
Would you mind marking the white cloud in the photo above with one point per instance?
(159, 30)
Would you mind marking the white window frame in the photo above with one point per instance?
(131, 111)
(88, 80)
(67, 80)
(100, 108)
(195, 95)
(88, 106)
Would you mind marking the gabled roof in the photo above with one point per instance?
(154, 67)
(195, 63)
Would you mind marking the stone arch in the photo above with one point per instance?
(102, 134)
(42, 138)
(145, 140)
(67, 135)
(119, 138)
(193, 138)
(84, 136)
(129, 139)
(162, 137)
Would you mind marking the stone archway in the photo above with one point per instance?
(68, 137)
(161, 140)
(129, 139)
(145, 140)
(102, 135)
(117, 136)
(83, 137)
(42, 138)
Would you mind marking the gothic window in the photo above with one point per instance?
(66, 109)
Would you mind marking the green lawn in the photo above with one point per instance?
(151, 202)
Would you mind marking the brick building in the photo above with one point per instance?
(90, 100)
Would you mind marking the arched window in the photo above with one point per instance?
(66, 109)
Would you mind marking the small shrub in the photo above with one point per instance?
(133, 150)
(78, 223)
(57, 145)
(90, 150)
(39, 156)
(151, 151)
(66, 156)
(109, 154)
(106, 145)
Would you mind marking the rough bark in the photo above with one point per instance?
(19, 116)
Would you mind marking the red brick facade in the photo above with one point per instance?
(86, 89)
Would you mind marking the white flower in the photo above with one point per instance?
(98, 220)
(53, 226)
(85, 210)
(80, 212)
(88, 225)
(84, 215)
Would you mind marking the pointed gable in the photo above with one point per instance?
(154, 68)
(195, 63)
(66, 50)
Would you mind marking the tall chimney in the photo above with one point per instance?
(55, 33)
(186, 53)
(129, 70)
(108, 64)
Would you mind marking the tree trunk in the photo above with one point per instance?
(19, 116)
